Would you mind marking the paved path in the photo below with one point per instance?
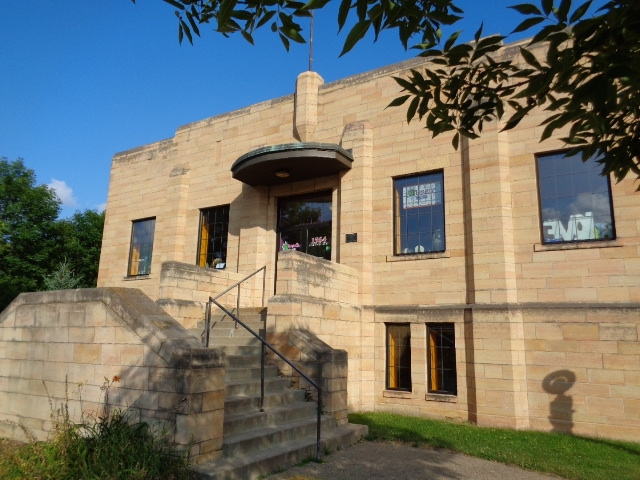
(378, 460)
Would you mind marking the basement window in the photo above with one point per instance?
(442, 358)
(398, 357)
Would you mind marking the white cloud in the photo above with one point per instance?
(101, 207)
(64, 192)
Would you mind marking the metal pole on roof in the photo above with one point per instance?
(311, 43)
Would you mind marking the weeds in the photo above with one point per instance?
(106, 445)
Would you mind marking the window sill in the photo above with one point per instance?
(550, 247)
(418, 256)
(137, 277)
(396, 394)
(441, 397)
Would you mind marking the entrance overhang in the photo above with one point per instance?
(291, 162)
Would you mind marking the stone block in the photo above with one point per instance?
(580, 332)
(132, 355)
(621, 362)
(56, 334)
(213, 400)
(201, 381)
(61, 352)
(199, 427)
(621, 332)
(87, 353)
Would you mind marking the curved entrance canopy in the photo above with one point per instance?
(290, 162)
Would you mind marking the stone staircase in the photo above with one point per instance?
(256, 443)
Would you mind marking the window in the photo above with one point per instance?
(304, 224)
(398, 357)
(214, 231)
(419, 214)
(141, 247)
(442, 358)
(575, 200)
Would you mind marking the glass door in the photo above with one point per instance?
(304, 224)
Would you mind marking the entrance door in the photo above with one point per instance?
(304, 224)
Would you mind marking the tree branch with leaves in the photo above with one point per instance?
(588, 80)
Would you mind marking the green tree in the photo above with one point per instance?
(62, 278)
(29, 234)
(588, 78)
(82, 243)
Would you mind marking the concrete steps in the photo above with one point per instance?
(282, 455)
(284, 433)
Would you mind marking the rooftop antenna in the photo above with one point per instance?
(311, 43)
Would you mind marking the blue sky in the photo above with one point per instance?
(84, 79)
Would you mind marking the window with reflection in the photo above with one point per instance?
(141, 247)
(214, 233)
(304, 224)
(575, 200)
(419, 214)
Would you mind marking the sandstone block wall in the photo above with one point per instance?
(320, 296)
(564, 368)
(51, 342)
(185, 289)
(326, 366)
(583, 369)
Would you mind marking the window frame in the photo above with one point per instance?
(440, 327)
(539, 191)
(388, 366)
(131, 248)
(225, 241)
(397, 218)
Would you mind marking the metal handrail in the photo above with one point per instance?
(207, 317)
(264, 343)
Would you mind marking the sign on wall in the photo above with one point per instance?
(423, 195)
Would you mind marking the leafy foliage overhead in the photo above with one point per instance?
(587, 74)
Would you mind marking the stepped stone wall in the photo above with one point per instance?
(321, 297)
(57, 345)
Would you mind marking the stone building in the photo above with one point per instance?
(499, 283)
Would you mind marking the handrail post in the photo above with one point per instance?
(319, 423)
(238, 306)
(262, 377)
(207, 323)
(264, 283)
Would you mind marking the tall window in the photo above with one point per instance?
(214, 231)
(398, 357)
(419, 214)
(442, 358)
(141, 247)
(575, 200)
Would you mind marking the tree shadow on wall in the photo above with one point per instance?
(560, 408)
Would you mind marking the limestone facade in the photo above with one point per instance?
(546, 333)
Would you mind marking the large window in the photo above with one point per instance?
(575, 200)
(398, 357)
(141, 247)
(442, 358)
(214, 231)
(419, 214)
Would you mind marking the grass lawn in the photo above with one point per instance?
(564, 455)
